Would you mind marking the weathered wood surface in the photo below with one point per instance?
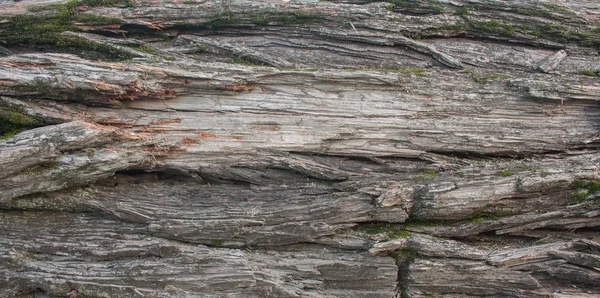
(300, 148)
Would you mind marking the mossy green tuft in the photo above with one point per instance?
(12, 122)
(589, 73)
(391, 231)
(45, 30)
(583, 189)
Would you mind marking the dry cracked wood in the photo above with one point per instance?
(300, 148)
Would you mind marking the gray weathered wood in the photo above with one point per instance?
(300, 148)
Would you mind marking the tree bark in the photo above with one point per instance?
(300, 148)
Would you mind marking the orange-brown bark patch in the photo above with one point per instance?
(188, 141)
(239, 87)
(205, 135)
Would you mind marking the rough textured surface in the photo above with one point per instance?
(300, 148)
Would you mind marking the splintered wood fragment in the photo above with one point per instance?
(424, 48)
(389, 246)
(58, 156)
(473, 278)
(579, 275)
(396, 40)
(549, 89)
(428, 246)
(525, 255)
(445, 248)
(397, 195)
(578, 258)
(551, 62)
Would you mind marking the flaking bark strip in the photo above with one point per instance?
(384, 39)
(239, 52)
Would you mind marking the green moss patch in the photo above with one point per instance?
(562, 34)
(146, 49)
(76, 4)
(216, 243)
(505, 173)
(425, 176)
(549, 31)
(413, 6)
(430, 173)
(584, 189)
(12, 122)
(36, 169)
(484, 79)
(251, 19)
(244, 61)
(406, 255)
(44, 30)
(391, 231)
(463, 11)
(494, 26)
(482, 215)
(589, 73)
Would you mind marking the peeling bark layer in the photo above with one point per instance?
(299, 148)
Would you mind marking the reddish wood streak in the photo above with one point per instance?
(166, 121)
(239, 87)
(189, 141)
(205, 135)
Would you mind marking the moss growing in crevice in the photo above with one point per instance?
(146, 49)
(425, 176)
(75, 4)
(584, 189)
(430, 173)
(558, 8)
(44, 31)
(403, 258)
(244, 61)
(590, 73)
(562, 34)
(405, 255)
(411, 6)
(546, 30)
(95, 3)
(463, 11)
(250, 19)
(36, 169)
(494, 26)
(12, 122)
(216, 243)
(482, 215)
(485, 79)
(552, 32)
